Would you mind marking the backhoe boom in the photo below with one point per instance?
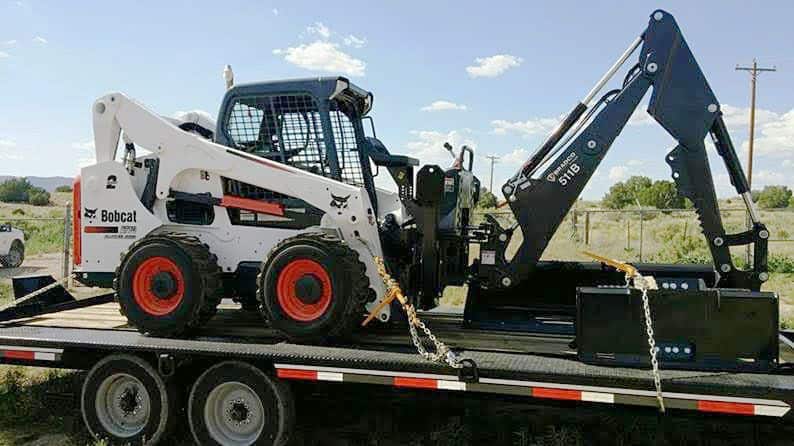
(685, 106)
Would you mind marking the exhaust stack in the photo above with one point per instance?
(228, 76)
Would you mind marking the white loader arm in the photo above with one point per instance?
(178, 151)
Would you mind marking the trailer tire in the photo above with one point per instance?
(333, 301)
(235, 403)
(125, 401)
(190, 291)
(16, 255)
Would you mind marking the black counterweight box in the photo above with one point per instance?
(707, 329)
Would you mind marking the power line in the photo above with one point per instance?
(494, 159)
(754, 70)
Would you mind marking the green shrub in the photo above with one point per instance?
(63, 188)
(15, 190)
(780, 264)
(678, 246)
(487, 199)
(772, 197)
(641, 190)
(18, 211)
(19, 190)
(39, 197)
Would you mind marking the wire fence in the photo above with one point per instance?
(43, 238)
(651, 234)
(628, 234)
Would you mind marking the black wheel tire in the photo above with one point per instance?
(267, 402)
(349, 288)
(203, 288)
(16, 255)
(98, 387)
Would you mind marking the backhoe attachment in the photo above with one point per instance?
(684, 105)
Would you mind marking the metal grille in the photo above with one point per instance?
(284, 128)
(347, 148)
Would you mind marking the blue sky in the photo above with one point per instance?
(494, 75)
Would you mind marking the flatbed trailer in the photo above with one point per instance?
(518, 365)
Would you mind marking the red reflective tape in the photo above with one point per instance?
(248, 204)
(19, 354)
(101, 229)
(557, 394)
(309, 375)
(77, 222)
(723, 407)
(416, 383)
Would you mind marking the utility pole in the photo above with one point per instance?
(754, 70)
(494, 159)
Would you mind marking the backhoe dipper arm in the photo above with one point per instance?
(684, 104)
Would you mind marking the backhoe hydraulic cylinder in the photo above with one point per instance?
(570, 120)
(611, 72)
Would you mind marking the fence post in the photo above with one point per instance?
(628, 234)
(66, 239)
(642, 232)
(587, 227)
(574, 232)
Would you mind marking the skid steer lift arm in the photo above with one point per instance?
(684, 104)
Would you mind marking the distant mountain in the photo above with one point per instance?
(47, 183)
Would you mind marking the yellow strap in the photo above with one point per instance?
(618, 265)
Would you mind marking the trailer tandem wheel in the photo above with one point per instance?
(125, 401)
(234, 403)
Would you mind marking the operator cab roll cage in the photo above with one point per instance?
(312, 124)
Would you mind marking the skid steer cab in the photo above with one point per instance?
(274, 206)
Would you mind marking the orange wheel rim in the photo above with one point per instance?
(149, 294)
(286, 290)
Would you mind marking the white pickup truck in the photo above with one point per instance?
(12, 246)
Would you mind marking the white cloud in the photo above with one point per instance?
(526, 128)
(618, 173)
(4, 55)
(40, 40)
(87, 156)
(788, 163)
(740, 117)
(635, 163)
(776, 137)
(7, 151)
(428, 145)
(319, 29)
(493, 66)
(641, 117)
(355, 42)
(11, 42)
(515, 158)
(769, 177)
(323, 56)
(444, 105)
(275, 11)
